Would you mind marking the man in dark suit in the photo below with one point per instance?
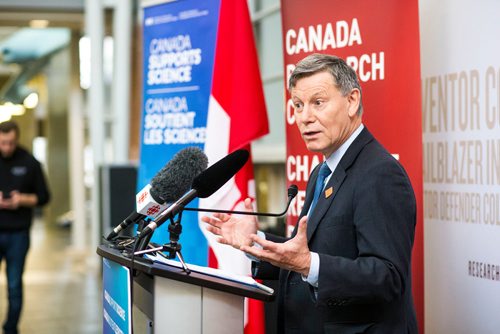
(347, 266)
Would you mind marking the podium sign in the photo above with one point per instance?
(116, 298)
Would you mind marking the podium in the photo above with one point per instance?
(173, 301)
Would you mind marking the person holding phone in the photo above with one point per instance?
(22, 187)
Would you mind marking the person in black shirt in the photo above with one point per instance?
(22, 187)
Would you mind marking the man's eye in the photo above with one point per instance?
(318, 102)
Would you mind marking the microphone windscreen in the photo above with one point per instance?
(292, 191)
(176, 177)
(214, 177)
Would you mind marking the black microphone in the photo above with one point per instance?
(170, 183)
(292, 192)
(204, 185)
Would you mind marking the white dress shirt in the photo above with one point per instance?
(332, 162)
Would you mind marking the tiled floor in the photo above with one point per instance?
(62, 287)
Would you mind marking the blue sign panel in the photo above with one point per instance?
(116, 299)
(179, 48)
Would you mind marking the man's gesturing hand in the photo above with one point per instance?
(233, 231)
(291, 255)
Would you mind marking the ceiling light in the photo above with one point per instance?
(8, 108)
(4, 116)
(39, 24)
(31, 101)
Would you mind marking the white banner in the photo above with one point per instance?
(460, 59)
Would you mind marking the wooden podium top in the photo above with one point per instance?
(204, 280)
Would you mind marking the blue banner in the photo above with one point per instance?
(179, 48)
(116, 298)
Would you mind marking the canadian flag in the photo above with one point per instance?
(236, 116)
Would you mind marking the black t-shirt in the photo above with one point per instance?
(21, 172)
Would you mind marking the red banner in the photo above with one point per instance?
(380, 40)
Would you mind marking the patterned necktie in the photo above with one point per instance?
(324, 171)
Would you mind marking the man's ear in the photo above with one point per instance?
(354, 98)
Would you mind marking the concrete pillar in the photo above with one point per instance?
(94, 28)
(76, 124)
(122, 31)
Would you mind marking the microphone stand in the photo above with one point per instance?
(173, 247)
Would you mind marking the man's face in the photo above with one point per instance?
(324, 117)
(8, 143)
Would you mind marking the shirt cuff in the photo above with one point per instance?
(313, 276)
(262, 235)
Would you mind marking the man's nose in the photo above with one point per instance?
(307, 114)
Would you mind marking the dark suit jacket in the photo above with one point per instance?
(363, 234)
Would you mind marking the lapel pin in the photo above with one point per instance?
(328, 192)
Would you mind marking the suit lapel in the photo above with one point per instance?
(335, 182)
(324, 202)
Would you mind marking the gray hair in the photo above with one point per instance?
(344, 76)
